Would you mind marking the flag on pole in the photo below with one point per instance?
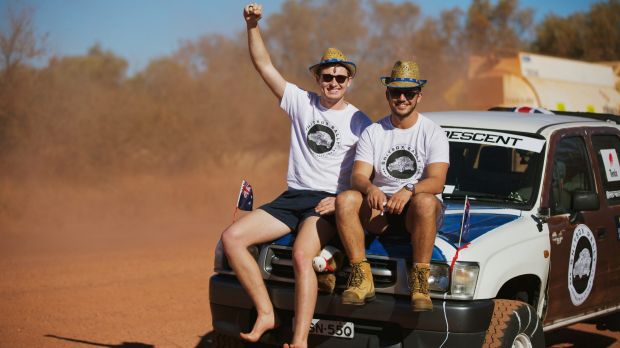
(246, 196)
(465, 220)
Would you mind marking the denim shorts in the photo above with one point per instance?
(293, 206)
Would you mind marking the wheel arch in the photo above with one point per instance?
(525, 288)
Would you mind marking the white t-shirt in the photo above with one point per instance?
(399, 156)
(322, 141)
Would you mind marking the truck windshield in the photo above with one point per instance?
(488, 172)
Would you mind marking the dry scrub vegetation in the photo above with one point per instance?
(83, 122)
(114, 188)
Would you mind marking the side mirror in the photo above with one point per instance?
(581, 201)
(585, 200)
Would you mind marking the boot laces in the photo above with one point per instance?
(423, 280)
(418, 281)
(357, 275)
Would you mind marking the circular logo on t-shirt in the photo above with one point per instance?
(581, 265)
(322, 138)
(401, 163)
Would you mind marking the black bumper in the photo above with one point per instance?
(385, 322)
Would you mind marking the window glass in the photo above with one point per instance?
(493, 167)
(607, 148)
(570, 173)
(493, 173)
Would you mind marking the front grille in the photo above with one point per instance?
(281, 262)
(278, 265)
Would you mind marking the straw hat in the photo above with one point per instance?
(331, 56)
(404, 75)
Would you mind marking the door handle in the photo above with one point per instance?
(601, 233)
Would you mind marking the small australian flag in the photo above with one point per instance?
(466, 218)
(246, 197)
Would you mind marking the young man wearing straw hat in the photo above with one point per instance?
(324, 131)
(398, 175)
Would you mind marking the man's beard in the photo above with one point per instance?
(403, 114)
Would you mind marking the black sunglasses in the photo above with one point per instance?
(409, 93)
(330, 77)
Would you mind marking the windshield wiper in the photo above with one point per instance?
(478, 196)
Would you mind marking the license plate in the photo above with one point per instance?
(342, 329)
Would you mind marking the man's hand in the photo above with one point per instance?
(376, 198)
(326, 206)
(252, 14)
(397, 202)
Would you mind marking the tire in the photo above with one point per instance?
(514, 324)
(223, 341)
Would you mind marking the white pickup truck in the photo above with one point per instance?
(540, 252)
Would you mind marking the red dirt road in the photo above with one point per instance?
(127, 265)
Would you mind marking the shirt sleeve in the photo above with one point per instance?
(364, 151)
(292, 99)
(440, 147)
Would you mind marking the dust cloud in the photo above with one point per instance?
(115, 189)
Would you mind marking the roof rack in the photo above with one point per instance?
(602, 117)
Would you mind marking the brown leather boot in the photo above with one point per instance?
(418, 281)
(360, 287)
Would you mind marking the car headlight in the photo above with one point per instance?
(439, 278)
(464, 277)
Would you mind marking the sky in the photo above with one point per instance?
(141, 30)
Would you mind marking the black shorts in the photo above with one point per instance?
(396, 222)
(293, 206)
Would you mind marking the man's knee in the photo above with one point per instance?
(424, 205)
(232, 237)
(347, 201)
(302, 260)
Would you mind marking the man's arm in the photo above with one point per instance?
(258, 51)
(360, 181)
(435, 178)
(433, 183)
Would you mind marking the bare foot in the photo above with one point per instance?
(286, 345)
(262, 324)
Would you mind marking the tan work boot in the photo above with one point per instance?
(418, 281)
(360, 287)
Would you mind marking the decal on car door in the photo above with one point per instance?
(612, 167)
(582, 264)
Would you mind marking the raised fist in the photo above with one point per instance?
(252, 13)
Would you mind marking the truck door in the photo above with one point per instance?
(606, 147)
(577, 276)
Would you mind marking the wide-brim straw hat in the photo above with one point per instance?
(334, 56)
(405, 74)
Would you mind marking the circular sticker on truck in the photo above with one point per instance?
(582, 264)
